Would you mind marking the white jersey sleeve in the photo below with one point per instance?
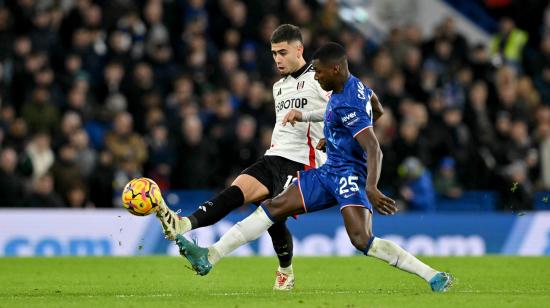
(313, 116)
(298, 142)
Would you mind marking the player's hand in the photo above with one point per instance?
(384, 205)
(292, 116)
(322, 145)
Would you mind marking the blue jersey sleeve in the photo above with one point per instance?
(356, 113)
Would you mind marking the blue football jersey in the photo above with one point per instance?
(348, 113)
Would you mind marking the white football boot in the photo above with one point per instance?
(172, 223)
(284, 281)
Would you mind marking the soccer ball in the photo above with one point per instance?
(141, 196)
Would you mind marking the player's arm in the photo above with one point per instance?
(377, 109)
(294, 116)
(368, 141)
(317, 115)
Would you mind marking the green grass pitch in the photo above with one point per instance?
(246, 282)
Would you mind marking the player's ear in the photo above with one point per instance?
(300, 51)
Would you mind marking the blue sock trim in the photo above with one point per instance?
(366, 251)
(267, 213)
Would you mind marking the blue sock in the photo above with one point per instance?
(267, 213)
(366, 251)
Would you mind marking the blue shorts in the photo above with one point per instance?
(321, 189)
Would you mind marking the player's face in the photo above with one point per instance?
(324, 74)
(287, 56)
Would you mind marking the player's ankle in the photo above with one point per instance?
(186, 224)
(286, 270)
(429, 274)
(214, 255)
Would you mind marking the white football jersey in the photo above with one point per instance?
(298, 142)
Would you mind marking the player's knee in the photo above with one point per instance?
(271, 210)
(278, 201)
(360, 240)
(277, 207)
(274, 207)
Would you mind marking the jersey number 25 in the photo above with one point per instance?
(347, 184)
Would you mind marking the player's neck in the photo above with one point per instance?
(301, 67)
(341, 82)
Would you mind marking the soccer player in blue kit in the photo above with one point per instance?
(350, 143)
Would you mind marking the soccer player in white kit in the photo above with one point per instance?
(300, 101)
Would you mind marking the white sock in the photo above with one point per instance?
(241, 233)
(400, 258)
(286, 270)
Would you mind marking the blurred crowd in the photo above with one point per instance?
(94, 93)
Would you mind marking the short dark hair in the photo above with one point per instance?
(330, 52)
(286, 33)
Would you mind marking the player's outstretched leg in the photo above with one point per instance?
(358, 222)
(202, 259)
(243, 190)
(207, 214)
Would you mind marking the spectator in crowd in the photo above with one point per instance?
(43, 193)
(480, 62)
(40, 114)
(417, 189)
(65, 171)
(85, 156)
(447, 30)
(162, 156)
(538, 59)
(197, 157)
(458, 141)
(258, 104)
(79, 100)
(12, 188)
(40, 155)
(243, 152)
(72, 69)
(109, 91)
(142, 83)
(478, 116)
(542, 83)
(101, 182)
(125, 144)
(543, 132)
(386, 131)
(507, 45)
(6, 33)
(516, 189)
(412, 71)
(409, 142)
(77, 196)
(446, 182)
(70, 123)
